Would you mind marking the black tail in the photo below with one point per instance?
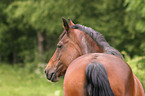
(97, 81)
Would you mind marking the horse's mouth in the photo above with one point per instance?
(52, 77)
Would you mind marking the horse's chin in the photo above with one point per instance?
(54, 79)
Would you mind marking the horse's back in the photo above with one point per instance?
(118, 73)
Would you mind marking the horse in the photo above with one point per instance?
(91, 74)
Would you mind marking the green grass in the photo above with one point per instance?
(18, 81)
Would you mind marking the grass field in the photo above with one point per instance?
(18, 81)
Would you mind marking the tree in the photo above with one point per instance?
(3, 28)
(38, 23)
(15, 36)
(134, 22)
(44, 16)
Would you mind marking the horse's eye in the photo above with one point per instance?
(59, 46)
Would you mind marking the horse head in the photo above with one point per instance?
(72, 44)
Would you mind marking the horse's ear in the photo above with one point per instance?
(65, 24)
(70, 22)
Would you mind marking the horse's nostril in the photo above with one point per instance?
(45, 71)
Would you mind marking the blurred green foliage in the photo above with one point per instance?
(29, 29)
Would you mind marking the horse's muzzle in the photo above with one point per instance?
(51, 75)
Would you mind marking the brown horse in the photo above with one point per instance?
(95, 74)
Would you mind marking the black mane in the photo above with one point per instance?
(99, 39)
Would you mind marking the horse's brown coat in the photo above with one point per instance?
(123, 82)
(120, 76)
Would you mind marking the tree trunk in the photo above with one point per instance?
(14, 58)
(0, 57)
(40, 44)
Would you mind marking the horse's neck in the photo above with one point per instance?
(88, 45)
